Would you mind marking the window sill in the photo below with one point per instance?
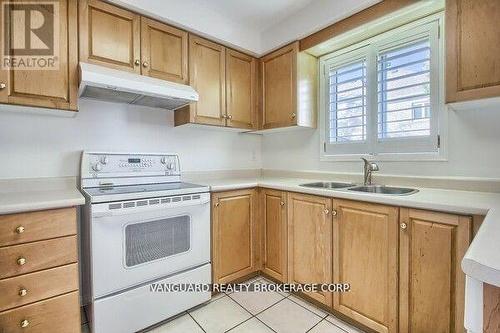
(401, 157)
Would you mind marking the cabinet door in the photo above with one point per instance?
(365, 254)
(109, 36)
(207, 76)
(432, 284)
(279, 87)
(274, 226)
(472, 48)
(241, 77)
(164, 51)
(233, 235)
(50, 88)
(310, 242)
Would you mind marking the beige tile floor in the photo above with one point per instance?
(254, 312)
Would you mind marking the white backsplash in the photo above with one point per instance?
(34, 145)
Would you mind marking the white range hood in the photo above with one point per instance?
(98, 82)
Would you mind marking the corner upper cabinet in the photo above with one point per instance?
(432, 284)
(164, 51)
(289, 87)
(109, 36)
(241, 90)
(472, 49)
(47, 88)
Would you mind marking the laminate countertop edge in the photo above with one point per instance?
(26, 201)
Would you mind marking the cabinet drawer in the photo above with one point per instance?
(37, 256)
(33, 287)
(60, 314)
(34, 226)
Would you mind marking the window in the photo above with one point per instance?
(382, 96)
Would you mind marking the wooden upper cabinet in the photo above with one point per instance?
(274, 233)
(472, 49)
(233, 235)
(310, 242)
(241, 90)
(284, 103)
(164, 51)
(109, 36)
(432, 284)
(365, 254)
(49, 88)
(207, 75)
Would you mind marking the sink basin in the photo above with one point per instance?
(384, 190)
(328, 185)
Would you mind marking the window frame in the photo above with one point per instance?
(393, 149)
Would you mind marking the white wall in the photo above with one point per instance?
(34, 145)
(473, 150)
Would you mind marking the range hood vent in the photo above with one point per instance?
(101, 83)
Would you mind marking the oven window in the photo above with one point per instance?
(149, 241)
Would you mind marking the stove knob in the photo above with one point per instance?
(97, 167)
(164, 160)
(170, 166)
(104, 159)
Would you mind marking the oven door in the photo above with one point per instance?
(134, 242)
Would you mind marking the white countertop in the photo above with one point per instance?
(30, 195)
(482, 260)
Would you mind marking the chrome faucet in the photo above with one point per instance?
(369, 167)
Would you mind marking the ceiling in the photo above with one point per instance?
(255, 26)
(258, 15)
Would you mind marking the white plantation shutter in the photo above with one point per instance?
(347, 102)
(404, 94)
(382, 96)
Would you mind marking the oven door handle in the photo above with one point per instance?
(132, 210)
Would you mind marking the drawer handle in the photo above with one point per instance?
(2, 86)
(21, 261)
(22, 292)
(20, 229)
(403, 225)
(282, 203)
(24, 323)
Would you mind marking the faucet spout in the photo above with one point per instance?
(368, 168)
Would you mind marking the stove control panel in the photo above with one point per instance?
(100, 165)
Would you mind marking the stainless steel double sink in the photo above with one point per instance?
(378, 189)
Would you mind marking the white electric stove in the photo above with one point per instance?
(141, 225)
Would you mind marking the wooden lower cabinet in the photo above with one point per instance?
(365, 254)
(310, 242)
(233, 235)
(274, 233)
(432, 284)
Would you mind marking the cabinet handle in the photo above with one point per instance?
(229, 117)
(334, 212)
(21, 261)
(2, 86)
(294, 115)
(217, 204)
(22, 292)
(282, 203)
(224, 116)
(20, 229)
(327, 212)
(137, 62)
(403, 225)
(24, 323)
(145, 64)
